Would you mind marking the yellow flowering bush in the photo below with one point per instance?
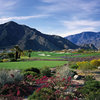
(84, 65)
(95, 62)
(5, 60)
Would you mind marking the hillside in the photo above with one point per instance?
(85, 38)
(27, 38)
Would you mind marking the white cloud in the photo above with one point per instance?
(73, 24)
(77, 26)
(7, 5)
(5, 19)
(87, 6)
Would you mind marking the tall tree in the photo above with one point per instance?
(29, 53)
(18, 52)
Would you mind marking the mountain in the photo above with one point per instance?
(27, 38)
(85, 38)
(88, 47)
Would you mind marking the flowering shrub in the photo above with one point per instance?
(95, 62)
(53, 88)
(75, 66)
(5, 60)
(12, 83)
(46, 88)
(17, 89)
(85, 65)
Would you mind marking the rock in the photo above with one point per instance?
(53, 70)
(99, 67)
(77, 77)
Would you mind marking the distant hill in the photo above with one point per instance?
(88, 47)
(85, 38)
(27, 38)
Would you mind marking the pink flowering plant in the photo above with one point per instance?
(53, 88)
(17, 88)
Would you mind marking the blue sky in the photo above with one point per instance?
(58, 17)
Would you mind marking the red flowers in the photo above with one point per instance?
(69, 79)
(63, 79)
(29, 76)
(18, 92)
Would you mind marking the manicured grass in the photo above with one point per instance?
(84, 54)
(47, 55)
(37, 57)
(28, 64)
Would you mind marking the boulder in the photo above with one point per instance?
(77, 77)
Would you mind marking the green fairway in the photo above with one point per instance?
(85, 54)
(46, 55)
(28, 64)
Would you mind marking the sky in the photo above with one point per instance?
(54, 17)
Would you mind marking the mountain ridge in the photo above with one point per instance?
(85, 38)
(27, 38)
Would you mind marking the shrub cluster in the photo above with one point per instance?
(46, 72)
(53, 88)
(12, 83)
(95, 62)
(91, 90)
(86, 65)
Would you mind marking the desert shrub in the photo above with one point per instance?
(11, 55)
(5, 60)
(46, 71)
(12, 83)
(85, 65)
(91, 90)
(89, 78)
(75, 66)
(80, 63)
(98, 59)
(81, 51)
(33, 70)
(42, 94)
(95, 62)
(30, 73)
(0, 60)
(9, 76)
(13, 59)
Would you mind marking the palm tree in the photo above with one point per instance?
(18, 52)
(29, 53)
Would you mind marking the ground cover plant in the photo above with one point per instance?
(91, 90)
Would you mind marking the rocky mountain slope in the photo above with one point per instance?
(85, 38)
(27, 38)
